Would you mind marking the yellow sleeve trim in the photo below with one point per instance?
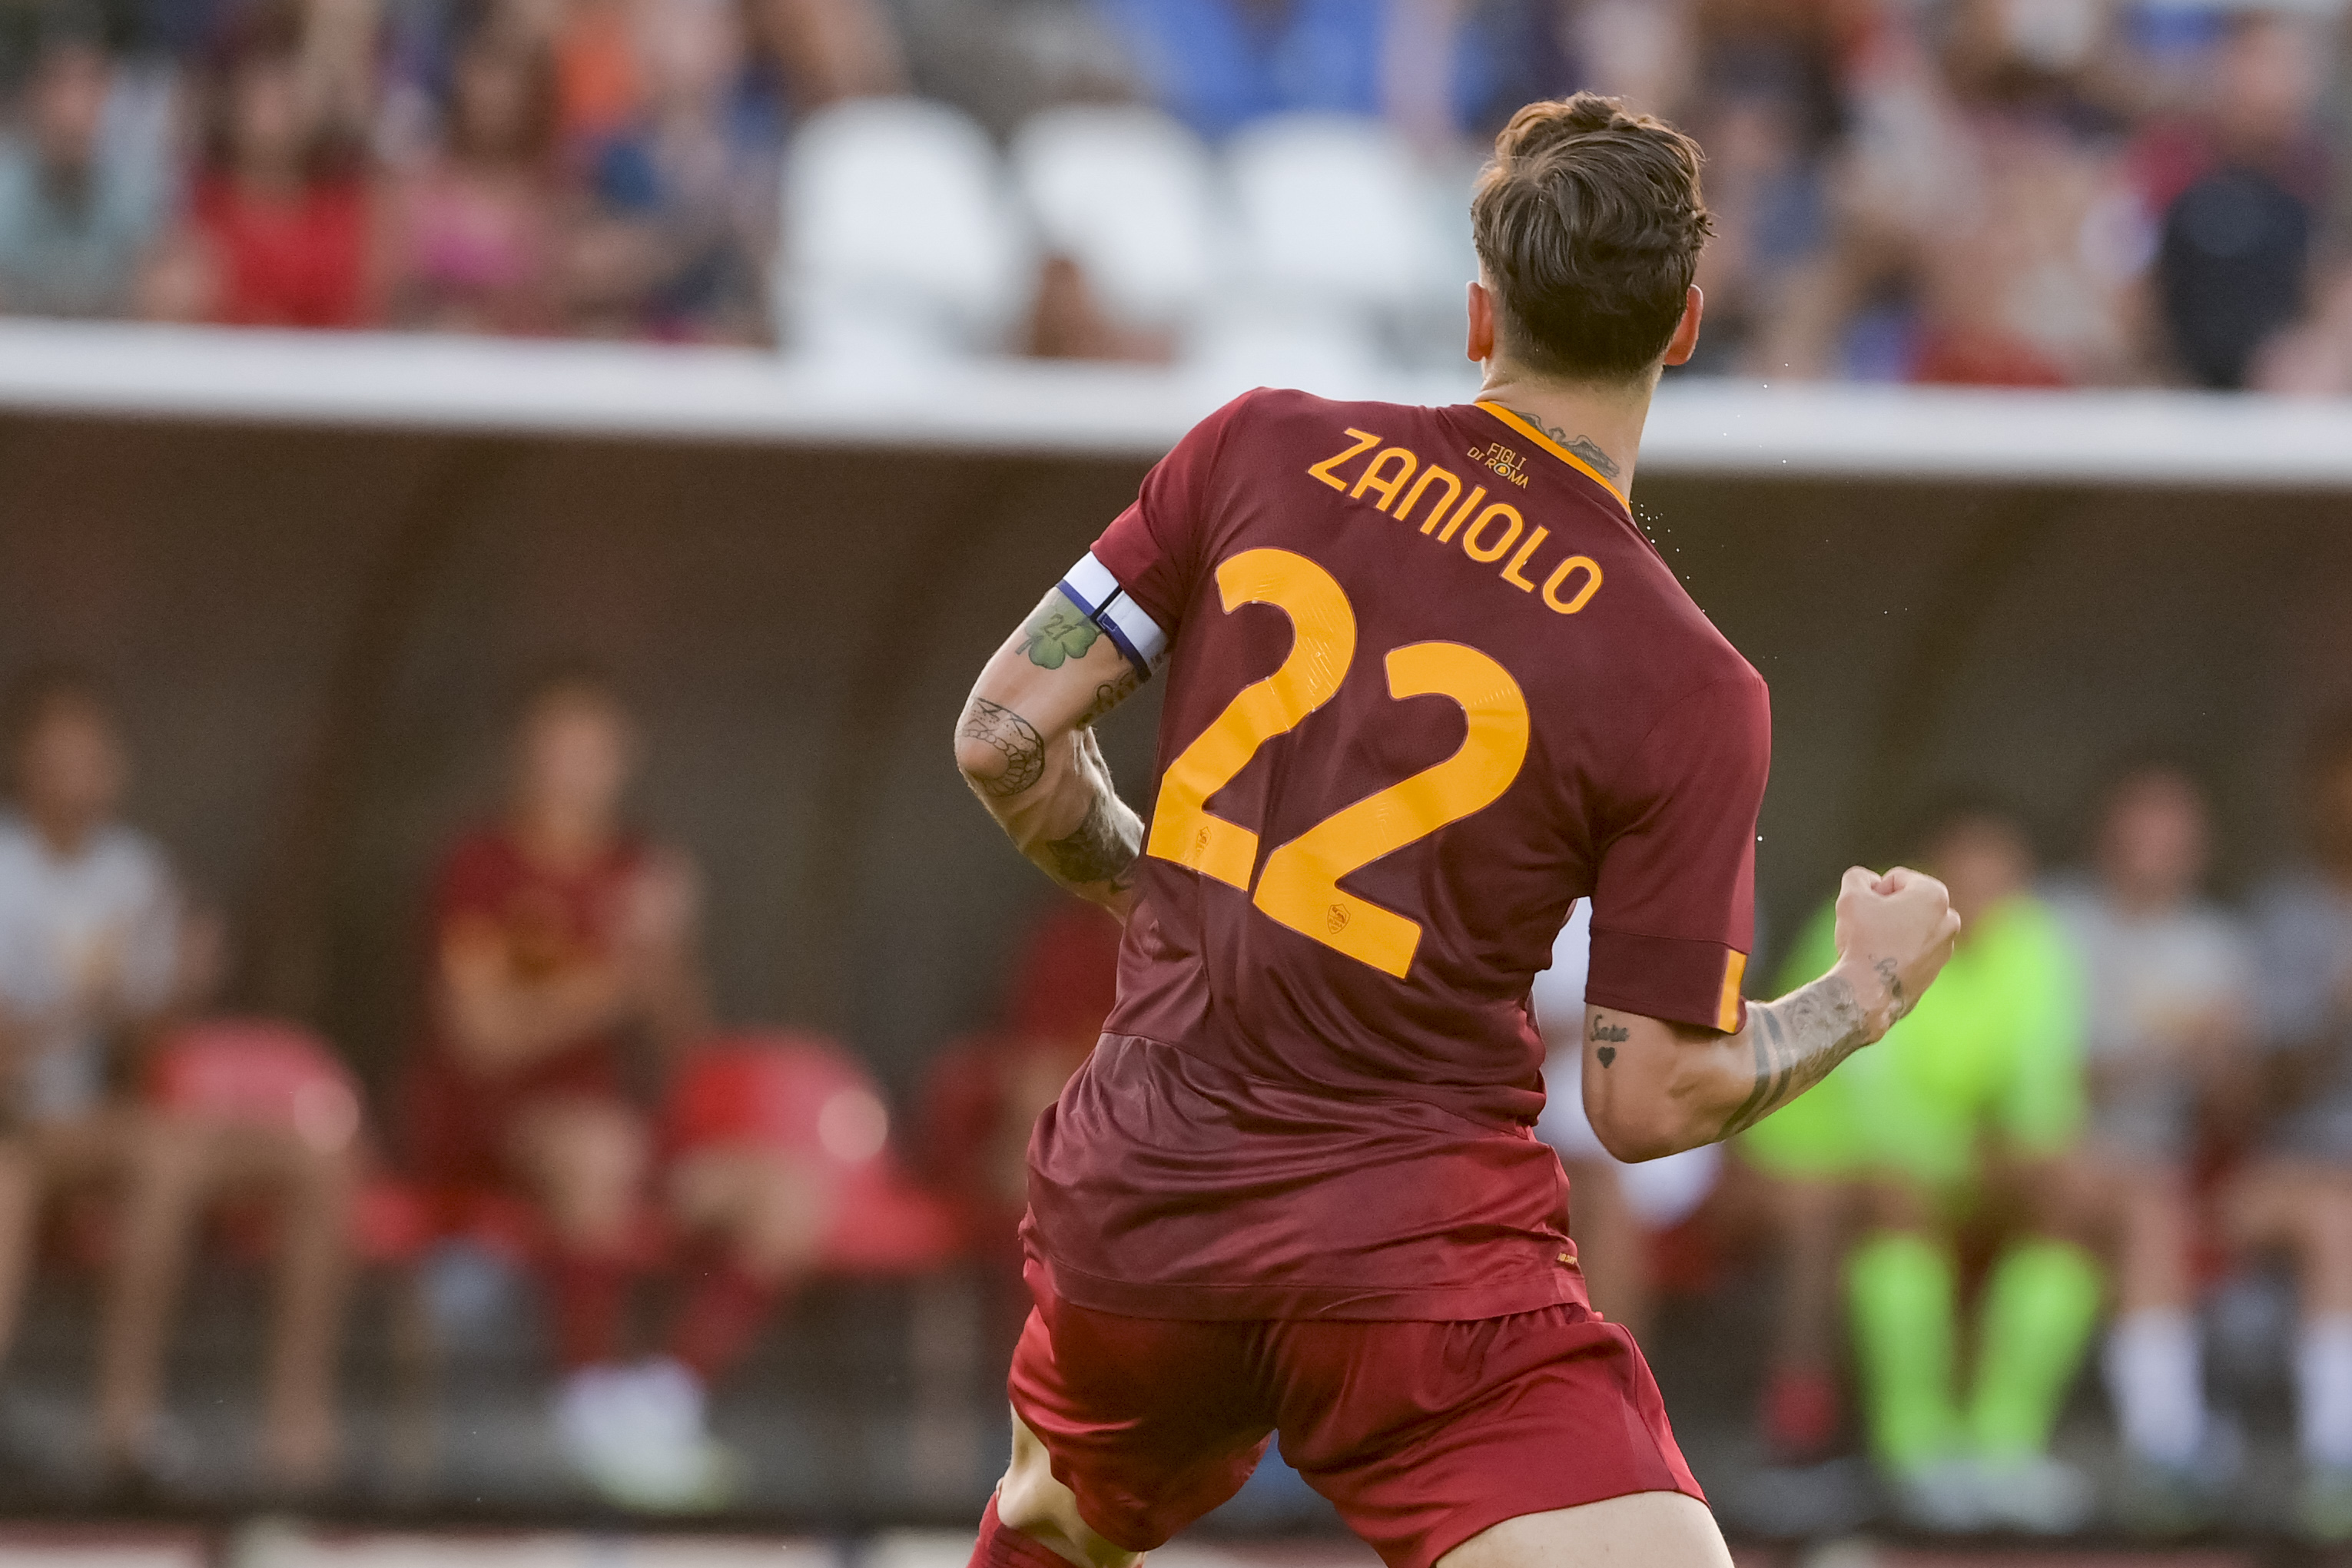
(1554, 448)
(1735, 970)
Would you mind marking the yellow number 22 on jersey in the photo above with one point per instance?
(1300, 884)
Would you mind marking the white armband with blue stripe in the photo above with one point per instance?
(1090, 586)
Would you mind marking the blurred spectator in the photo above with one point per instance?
(2081, 192)
(2296, 1195)
(686, 189)
(2239, 187)
(829, 50)
(1616, 1208)
(558, 937)
(2167, 988)
(1002, 61)
(1217, 65)
(95, 950)
(475, 233)
(2312, 359)
(1988, 235)
(78, 206)
(281, 224)
(599, 72)
(1764, 188)
(1952, 1120)
(1459, 69)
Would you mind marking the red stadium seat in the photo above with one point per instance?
(264, 1072)
(804, 1096)
(257, 1071)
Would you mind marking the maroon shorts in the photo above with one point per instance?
(459, 1128)
(1420, 1434)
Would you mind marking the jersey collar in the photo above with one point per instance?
(1556, 449)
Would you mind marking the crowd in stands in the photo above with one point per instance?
(2060, 192)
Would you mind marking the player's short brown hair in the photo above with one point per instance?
(1590, 222)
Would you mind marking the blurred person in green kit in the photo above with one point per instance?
(1951, 1124)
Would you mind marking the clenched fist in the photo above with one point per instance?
(1895, 933)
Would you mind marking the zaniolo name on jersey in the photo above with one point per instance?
(1412, 714)
(1489, 531)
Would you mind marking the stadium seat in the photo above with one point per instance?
(1130, 195)
(259, 1071)
(1336, 251)
(266, 1072)
(1328, 210)
(804, 1095)
(900, 238)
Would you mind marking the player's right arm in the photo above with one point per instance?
(1025, 745)
(1654, 1087)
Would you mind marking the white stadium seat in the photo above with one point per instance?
(1131, 196)
(1340, 248)
(1330, 212)
(899, 235)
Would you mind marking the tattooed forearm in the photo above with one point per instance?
(1103, 850)
(1016, 737)
(1584, 446)
(1057, 631)
(1797, 1040)
(1890, 974)
(1110, 694)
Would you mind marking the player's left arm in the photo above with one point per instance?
(1655, 1087)
(1025, 745)
(1673, 1058)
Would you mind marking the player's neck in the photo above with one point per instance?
(1602, 424)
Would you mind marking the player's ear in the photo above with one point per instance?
(1685, 342)
(1481, 347)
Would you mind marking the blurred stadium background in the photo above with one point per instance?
(360, 360)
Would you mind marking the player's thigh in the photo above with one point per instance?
(84, 1150)
(1426, 1436)
(1031, 1500)
(299, 1169)
(578, 1150)
(1642, 1530)
(1148, 1424)
(773, 1207)
(2284, 1202)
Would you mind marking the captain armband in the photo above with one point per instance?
(1090, 586)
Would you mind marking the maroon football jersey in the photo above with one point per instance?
(1428, 684)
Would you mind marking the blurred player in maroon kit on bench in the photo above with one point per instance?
(1428, 685)
(563, 940)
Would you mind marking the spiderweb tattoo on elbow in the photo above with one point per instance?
(1016, 737)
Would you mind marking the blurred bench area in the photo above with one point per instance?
(511, 1017)
(2070, 193)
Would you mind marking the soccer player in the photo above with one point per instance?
(561, 938)
(1428, 687)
